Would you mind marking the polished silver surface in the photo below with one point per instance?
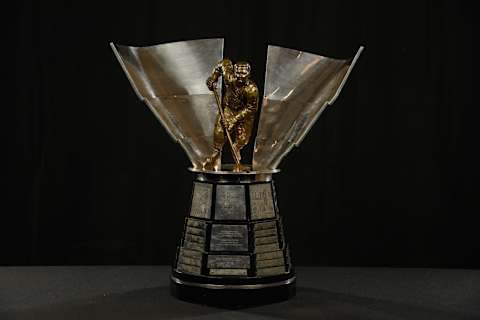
(228, 272)
(264, 225)
(266, 240)
(270, 271)
(231, 176)
(229, 171)
(269, 255)
(197, 262)
(228, 262)
(170, 79)
(298, 87)
(279, 262)
(186, 268)
(233, 286)
(190, 253)
(194, 223)
(201, 200)
(230, 202)
(261, 201)
(229, 237)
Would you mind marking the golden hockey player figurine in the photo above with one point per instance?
(236, 111)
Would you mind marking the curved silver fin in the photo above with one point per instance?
(298, 87)
(170, 79)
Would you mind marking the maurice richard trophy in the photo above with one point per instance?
(233, 249)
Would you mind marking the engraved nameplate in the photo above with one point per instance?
(188, 268)
(270, 263)
(266, 232)
(270, 255)
(194, 238)
(266, 247)
(190, 261)
(202, 200)
(261, 201)
(230, 202)
(195, 231)
(190, 253)
(270, 271)
(229, 238)
(228, 262)
(196, 224)
(228, 272)
(193, 245)
(264, 225)
(266, 240)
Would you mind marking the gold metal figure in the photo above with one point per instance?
(236, 112)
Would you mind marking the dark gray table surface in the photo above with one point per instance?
(142, 292)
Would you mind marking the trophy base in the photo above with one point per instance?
(233, 251)
(233, 296)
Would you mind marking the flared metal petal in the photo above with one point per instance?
(170, 79)
(298, 87)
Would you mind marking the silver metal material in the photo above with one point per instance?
(228, 272)
(193, 245)
(229, 175)
(266, 232)
(190, 261)
(269, 255)
(279, 262)
(261, 201)
(190, 253)
(170, 79)
(195, 241)
(229, 171)
(228, 262)
(239, 179)
(196, 224)
(266, 240)
(194, 238)
(264, 225)
(298, 87)
(229, 238)
(230, 202)
(270, 271)
(195, 231)
(233, 286)
(186, 268)
(266, 247)
(201, 200)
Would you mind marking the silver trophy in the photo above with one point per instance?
(233, 249)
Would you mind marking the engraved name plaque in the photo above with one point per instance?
(198, 224)
(188, 268)
(270, 271)
(230, 202)
(229, 238)
(202, 200)
(261, 201)
(228, 272)
(228, 262)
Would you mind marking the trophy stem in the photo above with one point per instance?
(233, 250)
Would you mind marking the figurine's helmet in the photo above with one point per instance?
(242, 70)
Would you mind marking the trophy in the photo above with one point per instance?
(233, 249)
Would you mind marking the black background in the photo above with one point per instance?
(387, 177)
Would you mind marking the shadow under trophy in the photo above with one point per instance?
(233, 251)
